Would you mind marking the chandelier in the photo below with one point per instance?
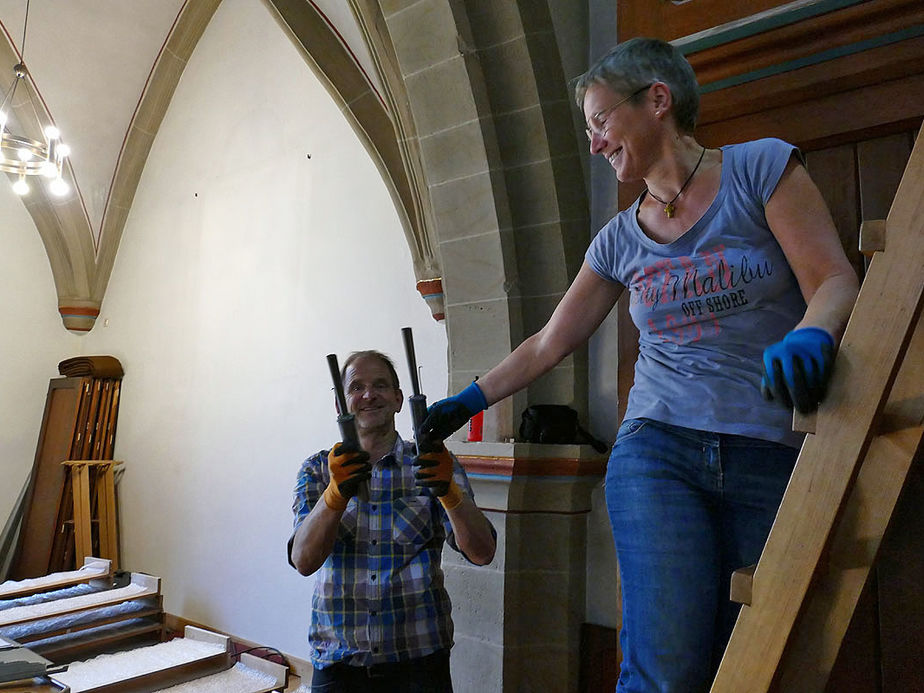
(23, 156)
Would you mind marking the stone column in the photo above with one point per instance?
(517, 621)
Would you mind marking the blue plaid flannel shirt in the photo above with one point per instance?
(379, 597)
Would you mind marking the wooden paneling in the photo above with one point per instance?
(900, 571)
(856, 668)
(881, 164)
(600, 657)
(834, 171)
(827, 35)
(849, 116)
(669, 20)
(873, 66)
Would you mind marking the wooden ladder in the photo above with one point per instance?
(853, 465)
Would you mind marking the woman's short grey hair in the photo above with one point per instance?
(640, 61)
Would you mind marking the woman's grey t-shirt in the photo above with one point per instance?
(709, 303)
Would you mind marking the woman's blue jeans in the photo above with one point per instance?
(687, 508)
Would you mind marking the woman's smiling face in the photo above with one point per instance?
(621, 130)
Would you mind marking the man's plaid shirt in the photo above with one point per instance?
(379, 596)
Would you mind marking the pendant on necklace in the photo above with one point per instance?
(669, 210)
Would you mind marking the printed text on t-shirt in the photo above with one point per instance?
(702, 286)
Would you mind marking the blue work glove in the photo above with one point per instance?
(449, 415)
(797, 369)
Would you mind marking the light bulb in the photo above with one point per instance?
(52, 133)
(21, 187)
(24, 154)
(63, 150)
(59, 187)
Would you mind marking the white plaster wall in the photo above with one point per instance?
(243, 264)
(32, 342)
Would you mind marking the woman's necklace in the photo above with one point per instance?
(669, 206)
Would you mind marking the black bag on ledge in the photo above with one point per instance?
(556, 424)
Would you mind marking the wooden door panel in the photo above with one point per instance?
(881, 164)
(834, 171)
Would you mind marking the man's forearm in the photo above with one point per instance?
(315, 537)
(473, 532)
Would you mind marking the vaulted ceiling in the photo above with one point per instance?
(103, 71)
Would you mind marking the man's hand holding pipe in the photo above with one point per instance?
(349, 467)
(434, 471)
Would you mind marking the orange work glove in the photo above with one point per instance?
(434, 470)
(349, 467)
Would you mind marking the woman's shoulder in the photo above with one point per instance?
(617, 228)
(756, 166)
(757, 148)
(609, 246)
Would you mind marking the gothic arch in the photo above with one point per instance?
(80, 265)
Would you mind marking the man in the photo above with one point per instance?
(380, 616)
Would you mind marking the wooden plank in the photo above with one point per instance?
(102, 419)
(107, 640)
(872, 236)
(36, 685)
(279, 672)
(47, 480)
(96, 568)
(83, 413)
(811, 125)
(80, 483)
(742, 583)
(170, 676)
(670, 21)
(826, 33)
(112, 420)
(60, 557)
(34, 639)
(94, 501)
(150, 586)
(106, 511)
(87, 444)
(856, 71)
(868, 360)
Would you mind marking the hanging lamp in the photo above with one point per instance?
(23, 156)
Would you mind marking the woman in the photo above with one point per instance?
(739, 287)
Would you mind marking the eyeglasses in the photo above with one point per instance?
(601, 116)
